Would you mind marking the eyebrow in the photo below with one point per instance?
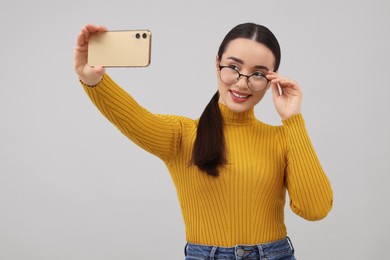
(242, 62)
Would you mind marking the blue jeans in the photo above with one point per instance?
(278, 250)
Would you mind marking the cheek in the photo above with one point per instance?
(258, 97)
(222, 86)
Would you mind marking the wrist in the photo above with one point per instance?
(90, 83)
(291, 117)
(287, 116)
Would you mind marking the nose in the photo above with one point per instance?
(242, 82)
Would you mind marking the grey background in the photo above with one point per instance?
(73, 187)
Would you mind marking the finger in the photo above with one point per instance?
(93, 70)
(91, 75)
(292, 85)
(92, 28)
(284, 82)
(84, 35)
(99, 70)
(81, 39)
(274, 76)
(271, 75)
(275, 91)
(89, 29)
(278, 79)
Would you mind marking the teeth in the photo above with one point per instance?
(239, 96)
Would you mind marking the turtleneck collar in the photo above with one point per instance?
(242, 118)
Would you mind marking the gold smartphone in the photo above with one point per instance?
(120, 48)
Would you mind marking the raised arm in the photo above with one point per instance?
(309, 189)
(157, 134)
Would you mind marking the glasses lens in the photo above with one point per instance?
(229, 75)
(258, 82)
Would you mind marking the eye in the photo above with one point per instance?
(233, 67)
(258, 74)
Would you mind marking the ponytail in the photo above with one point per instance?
(209, 152)
(209, 147)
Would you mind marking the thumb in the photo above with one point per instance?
(99, 70)
(92, 75)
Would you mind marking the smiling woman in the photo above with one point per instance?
(231, 171)
(243, 56)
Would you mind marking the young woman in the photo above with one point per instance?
(230, 170)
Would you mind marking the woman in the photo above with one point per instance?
(230, 170)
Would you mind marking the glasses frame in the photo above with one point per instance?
(241, 75)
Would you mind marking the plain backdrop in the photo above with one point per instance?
(73, 187)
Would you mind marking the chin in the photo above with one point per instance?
(238, 108)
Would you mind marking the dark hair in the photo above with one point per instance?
(209, 149)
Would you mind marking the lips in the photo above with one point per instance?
(238, 96)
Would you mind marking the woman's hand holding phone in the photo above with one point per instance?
(87, 74)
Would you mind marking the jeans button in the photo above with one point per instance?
(240, 252)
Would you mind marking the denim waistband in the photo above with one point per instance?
(281, 249)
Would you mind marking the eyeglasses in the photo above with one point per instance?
(256, 82)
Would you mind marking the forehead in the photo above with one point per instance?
(251, 52)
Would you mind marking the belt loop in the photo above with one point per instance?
(185, 249)
(212, 253)
(261, 252)
(290, 243)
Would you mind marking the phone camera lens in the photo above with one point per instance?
(144, 35)
(137, 35)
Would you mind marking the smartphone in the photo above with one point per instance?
(130, 48)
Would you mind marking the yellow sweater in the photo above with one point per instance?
(245, 204)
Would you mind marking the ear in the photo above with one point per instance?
(217, 64)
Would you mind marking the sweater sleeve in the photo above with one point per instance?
(157, 134)
(309, 189)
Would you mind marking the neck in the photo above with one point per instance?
(231, 117)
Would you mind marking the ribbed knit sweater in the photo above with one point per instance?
(245, 204)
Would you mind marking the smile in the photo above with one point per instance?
(237, 95)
